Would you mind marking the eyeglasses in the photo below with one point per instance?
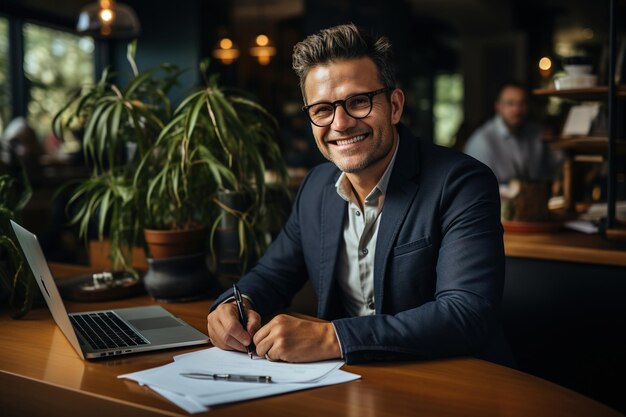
(357, 106)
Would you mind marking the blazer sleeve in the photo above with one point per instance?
(281, 271)
(464, 314)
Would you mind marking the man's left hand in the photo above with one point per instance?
(290, 339)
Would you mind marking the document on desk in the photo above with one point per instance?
(195, 395)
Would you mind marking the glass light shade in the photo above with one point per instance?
(263, 49)
(108, 19)
(225, 51)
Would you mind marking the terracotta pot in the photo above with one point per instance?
(164, 244)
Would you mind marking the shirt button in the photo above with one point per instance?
(358, 213)
(371, 306)
(364, 251)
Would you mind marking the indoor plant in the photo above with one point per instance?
(16, 279)
(215, 140)
(119, 125)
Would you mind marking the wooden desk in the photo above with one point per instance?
(568, 246)
(40, 374)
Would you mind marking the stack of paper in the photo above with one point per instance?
(196, 395)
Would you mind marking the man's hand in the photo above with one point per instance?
(291, 339)
(225, 330)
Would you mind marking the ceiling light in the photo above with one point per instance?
(108, 19)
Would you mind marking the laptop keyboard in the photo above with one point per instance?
(105, 330)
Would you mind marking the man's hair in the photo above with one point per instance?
(344, 42)
(509, 84)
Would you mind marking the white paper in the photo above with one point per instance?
(194, 395)
(188, 404)
(582, 226)
(335, 377)
(217, 361)
(579, 119)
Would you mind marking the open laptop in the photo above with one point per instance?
(96, 334)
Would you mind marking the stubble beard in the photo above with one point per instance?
(375, 154)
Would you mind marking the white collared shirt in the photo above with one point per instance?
(520, 155)
(360, 231)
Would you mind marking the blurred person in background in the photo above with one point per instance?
(509, 143)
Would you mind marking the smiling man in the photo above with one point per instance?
(401, 239)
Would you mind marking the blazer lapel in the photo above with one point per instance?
(403, 186)
(333, 215)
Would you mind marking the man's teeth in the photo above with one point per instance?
(352, 140)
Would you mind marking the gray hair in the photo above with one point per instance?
(344, 42)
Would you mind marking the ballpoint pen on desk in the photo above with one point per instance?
(228, 377)
(242, 316)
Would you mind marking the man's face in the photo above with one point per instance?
(354, 145)
(512, 106)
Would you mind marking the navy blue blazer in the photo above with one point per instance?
(438, 268)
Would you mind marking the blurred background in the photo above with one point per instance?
(451, 54)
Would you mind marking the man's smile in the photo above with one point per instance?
(348, 141)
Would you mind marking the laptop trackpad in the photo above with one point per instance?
(152, 323)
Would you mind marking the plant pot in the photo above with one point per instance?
(181, 278)
(164, 244)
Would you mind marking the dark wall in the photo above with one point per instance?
(170, 34)
(566, 323)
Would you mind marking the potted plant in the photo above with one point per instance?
(214, 141)
(221, 140)
(18, 287)
(119, 126)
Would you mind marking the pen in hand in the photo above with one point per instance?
(242, 316)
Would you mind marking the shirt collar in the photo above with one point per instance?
(344, 187)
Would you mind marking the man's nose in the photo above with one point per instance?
(342, 119)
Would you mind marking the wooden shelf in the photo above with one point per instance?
(587, 144)
(584, 94)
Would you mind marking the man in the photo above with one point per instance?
(509, 144)
(400, 239)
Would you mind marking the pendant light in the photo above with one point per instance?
(225, 51)
(108, 19)
(263, 49)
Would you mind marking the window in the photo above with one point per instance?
(56, 63)
(448, 109)
(5, 92)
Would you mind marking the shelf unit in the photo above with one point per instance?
(596, 149)
(581, 94)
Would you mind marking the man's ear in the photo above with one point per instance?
(397, 105)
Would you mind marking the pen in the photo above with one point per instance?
(228, 377)
(242, 316)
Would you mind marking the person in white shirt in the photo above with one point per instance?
(510, 144)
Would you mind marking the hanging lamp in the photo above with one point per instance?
(108, 19)
(263, 49)
(225, 51)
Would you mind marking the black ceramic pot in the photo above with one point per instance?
(183, 278)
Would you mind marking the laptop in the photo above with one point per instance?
(96, 334)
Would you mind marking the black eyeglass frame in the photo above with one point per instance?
(370, 95)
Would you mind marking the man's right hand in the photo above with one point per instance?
(225, 330)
